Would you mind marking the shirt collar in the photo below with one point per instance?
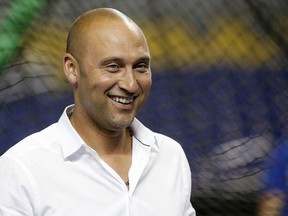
(70, 139)
(72, 142)
(143, 134)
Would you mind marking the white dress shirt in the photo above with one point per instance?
(54, 173)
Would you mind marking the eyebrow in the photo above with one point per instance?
(145, 59)
(108, 60)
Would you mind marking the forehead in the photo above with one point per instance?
(116, 37)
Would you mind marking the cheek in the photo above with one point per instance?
(145, 84)
(86, 90)
(104, 84)
(96, 83)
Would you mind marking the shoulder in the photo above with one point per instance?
(33, 142)
(166, 142)
(171, 151)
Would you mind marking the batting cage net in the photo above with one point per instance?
(220, 84)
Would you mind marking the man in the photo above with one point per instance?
(273, 199)
(98, 159)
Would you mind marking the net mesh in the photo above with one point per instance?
(219, 83)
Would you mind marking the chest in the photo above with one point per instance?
(120, 163)
(85, 188)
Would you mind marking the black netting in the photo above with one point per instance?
(220, 83)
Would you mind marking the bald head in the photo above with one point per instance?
(94, 20)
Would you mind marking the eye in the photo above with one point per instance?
(142, 67)
(113, 67)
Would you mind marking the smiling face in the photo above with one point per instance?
(111, 75)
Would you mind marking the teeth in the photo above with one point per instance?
(122, 100)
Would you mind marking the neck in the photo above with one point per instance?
(104, 142)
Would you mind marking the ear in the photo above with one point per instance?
(71, 68)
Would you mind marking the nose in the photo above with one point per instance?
(128, 81)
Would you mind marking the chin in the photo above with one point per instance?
(123, 122)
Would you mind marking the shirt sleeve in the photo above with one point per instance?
(15, 190)
(189, 210)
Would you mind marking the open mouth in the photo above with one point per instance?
(122, 100)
